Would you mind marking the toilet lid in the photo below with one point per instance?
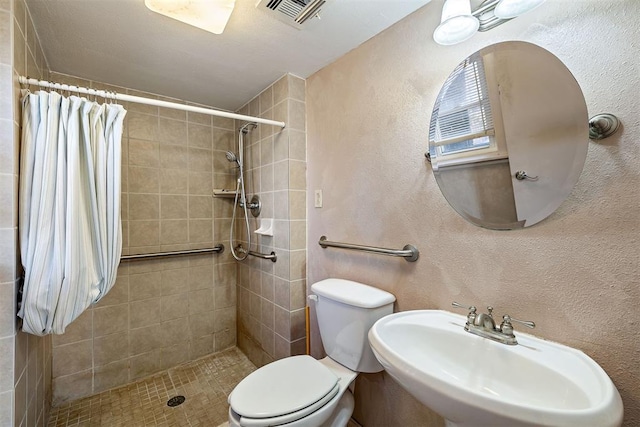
(282, 387)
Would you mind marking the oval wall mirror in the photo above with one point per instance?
(508, 135)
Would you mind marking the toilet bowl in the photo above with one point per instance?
(300, 391)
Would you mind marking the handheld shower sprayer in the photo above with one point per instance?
(241, 195)
(231, 156)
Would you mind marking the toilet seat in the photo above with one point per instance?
(289, 418)
(283, 391)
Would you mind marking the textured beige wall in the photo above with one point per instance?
(577, 273)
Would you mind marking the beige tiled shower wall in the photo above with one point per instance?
(271, 296)
(25, 360)
(160, 312)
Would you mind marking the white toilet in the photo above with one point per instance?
(300, 391)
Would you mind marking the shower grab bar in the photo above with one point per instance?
(216, 249)
(272, 256)
(410, 253)
(147, 101)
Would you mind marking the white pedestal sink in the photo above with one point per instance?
(473, 381)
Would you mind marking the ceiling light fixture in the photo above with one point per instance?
(508, 9)
(459, 22)
(209, 15)
(456, 24)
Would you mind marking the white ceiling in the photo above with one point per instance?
(121, 42)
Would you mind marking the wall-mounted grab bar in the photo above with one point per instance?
(216, 249)
(272, 256)
(410, 253)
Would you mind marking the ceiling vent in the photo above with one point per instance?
(292, 12)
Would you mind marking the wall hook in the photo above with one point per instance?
(602, 126)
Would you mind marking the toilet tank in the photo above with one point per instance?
(346, 311)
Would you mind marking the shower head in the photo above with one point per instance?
(232, 157)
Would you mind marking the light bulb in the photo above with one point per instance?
(508, 9)
(457, 24)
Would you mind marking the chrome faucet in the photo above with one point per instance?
(484, 325)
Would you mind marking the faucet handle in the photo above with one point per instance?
(506, 321)
(471, 316)
(471, 308)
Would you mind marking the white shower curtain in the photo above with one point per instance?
(69, 223)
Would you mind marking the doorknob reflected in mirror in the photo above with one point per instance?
(522, 175)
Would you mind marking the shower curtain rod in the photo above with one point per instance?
(147, 101)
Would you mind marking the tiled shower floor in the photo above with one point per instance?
(205, 383)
